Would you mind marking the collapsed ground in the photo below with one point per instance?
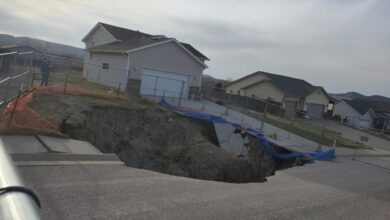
(146, 136)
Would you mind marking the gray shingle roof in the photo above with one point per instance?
(134, 39)
(288, 85)
(122, 33)
(131, 43)
(363, 105)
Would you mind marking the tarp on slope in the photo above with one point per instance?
(267, 147)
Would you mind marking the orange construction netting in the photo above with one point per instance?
(18, 117)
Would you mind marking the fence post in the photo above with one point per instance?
(155, 88)
(99, 75)
(322, 137)
(119, 89)
(66, 81)
(30, 68)
(12, 69)
(13, 111)
(264, 117)
(32, 80)
(181, 93)
(226, 105)
(384, 125)
(290, 128)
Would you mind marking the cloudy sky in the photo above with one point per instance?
(342, 45)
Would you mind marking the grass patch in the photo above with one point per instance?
(76, 78)
(315, 133)
(306, 130)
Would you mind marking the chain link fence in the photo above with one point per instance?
(20, 73)
(322, 129)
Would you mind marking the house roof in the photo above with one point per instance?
(288, 85)
(194, 51)
(17, 48)
(129, 44)
(363, 105)
(130, 39)
(122, 33)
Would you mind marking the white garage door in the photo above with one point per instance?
(315, 110)
(162, 83)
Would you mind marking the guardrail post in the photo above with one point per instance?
(14, 205)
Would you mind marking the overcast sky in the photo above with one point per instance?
(342, 45)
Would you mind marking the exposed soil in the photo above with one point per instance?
(144, 135)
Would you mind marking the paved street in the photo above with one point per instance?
(343, 189)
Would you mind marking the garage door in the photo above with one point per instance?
(290, 109)
(315, 110)
(162, 83)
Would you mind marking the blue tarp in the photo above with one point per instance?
(266, 146)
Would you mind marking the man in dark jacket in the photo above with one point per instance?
(45, 70)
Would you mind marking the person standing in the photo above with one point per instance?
(45, 70)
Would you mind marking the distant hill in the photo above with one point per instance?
(43, 46)
(209, 82)
(355, 95)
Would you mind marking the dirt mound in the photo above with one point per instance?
(147, 136)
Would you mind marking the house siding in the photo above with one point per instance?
(236, 86)
(115, 74)
(166, 57)
(353, 117)
(98, 37)
(317, 97)
(265, 90)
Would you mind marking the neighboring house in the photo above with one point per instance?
(146, 62)
(294, 94)
(363, 113)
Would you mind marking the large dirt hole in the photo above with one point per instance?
(149, 137)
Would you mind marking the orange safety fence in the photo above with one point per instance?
(19, 117)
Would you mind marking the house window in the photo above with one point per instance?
(105, 66)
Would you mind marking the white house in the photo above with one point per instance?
(357, 113)
(294, 94)
(151, 64)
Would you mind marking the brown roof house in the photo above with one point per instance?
(294, 94)
(151, 64)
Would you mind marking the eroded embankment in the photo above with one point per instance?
(147, 136)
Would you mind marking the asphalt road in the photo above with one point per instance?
(343, 189)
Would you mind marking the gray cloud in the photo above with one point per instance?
(341, 45)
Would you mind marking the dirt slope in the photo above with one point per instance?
(147, 136)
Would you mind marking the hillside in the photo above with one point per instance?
(43, 46)
(355, 95)
(209, 82)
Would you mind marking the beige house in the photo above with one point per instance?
(294, 94)
(153, 64)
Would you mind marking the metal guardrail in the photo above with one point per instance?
(14, 205)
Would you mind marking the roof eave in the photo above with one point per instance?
(94, 28)
(167, 41)
(108, 51)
